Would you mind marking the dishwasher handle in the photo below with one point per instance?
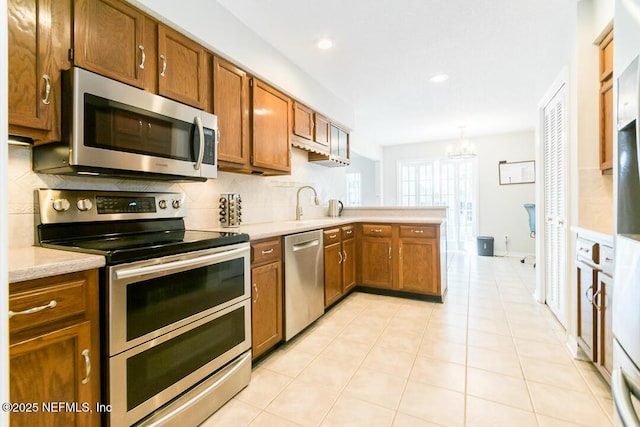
(305, 245)
(623, 388)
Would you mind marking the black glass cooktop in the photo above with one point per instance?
(128, 247)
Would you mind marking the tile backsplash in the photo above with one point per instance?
(264, 199)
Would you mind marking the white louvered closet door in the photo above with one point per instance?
(555, 141)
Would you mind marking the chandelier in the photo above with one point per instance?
(464, 150)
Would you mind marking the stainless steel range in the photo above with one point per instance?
(175, 303)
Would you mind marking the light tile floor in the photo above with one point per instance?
(489, 356)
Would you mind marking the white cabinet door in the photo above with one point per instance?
(555, 209)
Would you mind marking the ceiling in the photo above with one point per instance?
(500, 55)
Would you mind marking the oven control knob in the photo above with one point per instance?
(176, 204)
(84, 204)
(162, 204)
(61, 205)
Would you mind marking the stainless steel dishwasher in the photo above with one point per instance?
(303, 281)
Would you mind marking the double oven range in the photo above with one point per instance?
(175, 303)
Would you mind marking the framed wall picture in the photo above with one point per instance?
(517, 172)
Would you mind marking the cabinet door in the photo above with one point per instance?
(55, 368)
(321, 130)
(266, 308)
(348, 265)
(606, 126)
(375, 262)
(586, 310)
(332, 273)
(108, 40)
(230, 104)
(604, 300)
(302, 121)
(39, 36)
(270, 119)
(181, 67)
(418, 266)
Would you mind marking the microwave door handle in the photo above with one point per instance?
(201, 148)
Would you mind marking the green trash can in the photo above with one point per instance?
(485, 245)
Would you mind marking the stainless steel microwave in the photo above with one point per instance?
(113, 129)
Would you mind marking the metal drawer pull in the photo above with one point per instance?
(267, 252)
(340, 259)
(623, 388)
(164, 65)
(255, 288)
(332, 236)
(376, 230)
(143, 57)
(47, 89)
(349, 231)
(87, 366)
(418, 231)
(33, 310)
(608, 260)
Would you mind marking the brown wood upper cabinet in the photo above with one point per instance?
(302, 121)
(109, 40)
(39, 33)
(321, 130)
(606, 104)
(271, 118)
(120, 42)
(231, 105)
(182, 68)
(54, 347)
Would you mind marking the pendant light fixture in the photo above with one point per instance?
(464, 150)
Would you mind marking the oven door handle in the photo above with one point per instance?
(164, 267)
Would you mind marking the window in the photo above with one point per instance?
(354, 189)
(443, 182)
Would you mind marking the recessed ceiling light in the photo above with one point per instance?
(439, 78)
(324, 44)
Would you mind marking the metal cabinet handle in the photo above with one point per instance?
(143, 57)
(418, 231)
(87, 366)
(33, 310)
(376, 230)
(593, 300)
(47, 89)
(389, 251)
(349, 231)
(164, 65)
(400, 252)
(255, 288)
(622, 388)
(344, 259)
(587, 296)
(340, 259)
(267, 252)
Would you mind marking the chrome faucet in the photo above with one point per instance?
(298, 207)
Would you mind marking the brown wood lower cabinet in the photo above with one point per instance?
(401, 257)
(604, 300)
(339, 263)
(266, 295)
(54, 353)
(586, 278)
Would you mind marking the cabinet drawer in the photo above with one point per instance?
(41, 306)
(348, 232)
(418, 231)
(331, 236)
(376, 230)
(265, 251)
(587, 250)
(606, 259)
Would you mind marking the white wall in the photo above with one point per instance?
(369, 170)
(603, 15)
(264, 199)
(500, 207)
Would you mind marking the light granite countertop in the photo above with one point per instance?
(33, 262)
(275, 229)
